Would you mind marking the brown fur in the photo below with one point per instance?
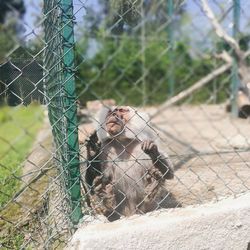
(126, 171)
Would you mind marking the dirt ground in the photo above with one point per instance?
(210, 151)
(209, 148)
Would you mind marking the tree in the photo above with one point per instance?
(133, 67)
(239, 53)
(116, 72)
(9, 6)
(8, 32)
(9, 26)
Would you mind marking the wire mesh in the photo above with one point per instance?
(112, 108)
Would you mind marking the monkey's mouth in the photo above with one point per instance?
(114, 121)
(114, 126)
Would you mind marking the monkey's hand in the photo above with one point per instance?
(93, 145)
(150, 148)
(160, 162)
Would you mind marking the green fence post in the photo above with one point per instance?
(170, 11)
(69, 102)
(234, 70)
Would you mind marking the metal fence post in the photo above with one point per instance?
(72, 165)
(234, 70)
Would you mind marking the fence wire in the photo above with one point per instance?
(114, 108)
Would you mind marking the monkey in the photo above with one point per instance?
(125, 168)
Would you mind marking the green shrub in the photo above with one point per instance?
(120, 70)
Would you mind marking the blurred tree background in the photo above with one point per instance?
(10, 13)
(130, 59)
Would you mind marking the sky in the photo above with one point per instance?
(33, 9)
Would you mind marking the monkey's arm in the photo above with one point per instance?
(93, 166)
(163, 164)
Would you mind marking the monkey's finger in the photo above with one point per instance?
(143, 145)
(92, 153)
(146, 145)
(148, 142)
(154, 147)
(97, 180)
(150, 145)
(98, 188)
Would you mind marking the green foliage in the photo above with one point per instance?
(121, 70)
(6, 7)
(18, 128)
(10, 12)
(7, 41)
(13, 240)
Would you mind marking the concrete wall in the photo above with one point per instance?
(222, 225)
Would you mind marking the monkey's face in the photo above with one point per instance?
(116, 120)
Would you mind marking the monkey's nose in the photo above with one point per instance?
(118, 116)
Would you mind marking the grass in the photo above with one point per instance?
(18, 129)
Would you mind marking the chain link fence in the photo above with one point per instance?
(111, 108)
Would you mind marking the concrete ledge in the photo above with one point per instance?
(222, 225)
